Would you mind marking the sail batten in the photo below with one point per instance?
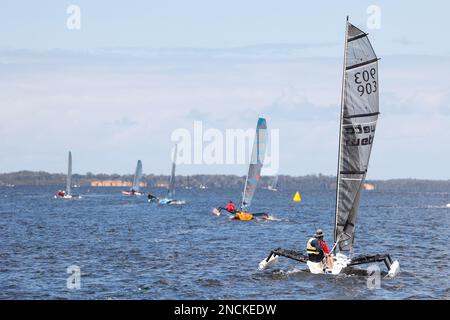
(360, 102)
(256, 163)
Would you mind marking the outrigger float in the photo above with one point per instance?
(253, 177)
(358, 119)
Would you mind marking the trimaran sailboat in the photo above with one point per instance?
(358, 119)
(134, 190)
(253, 176)
(67, 194)
(169, 199)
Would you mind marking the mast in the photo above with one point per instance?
(340, 132)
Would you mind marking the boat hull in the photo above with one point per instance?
(172, 202)
(128, 193)
(67, 196)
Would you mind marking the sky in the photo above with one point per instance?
(116, 89)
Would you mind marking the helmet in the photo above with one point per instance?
(319, 233)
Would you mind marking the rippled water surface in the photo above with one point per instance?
(129, 249)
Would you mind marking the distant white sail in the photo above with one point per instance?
(137, 176)
(274, 184)
(69, 176)
(171, 191)
(359, 115)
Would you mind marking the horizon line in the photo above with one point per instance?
(222, 174)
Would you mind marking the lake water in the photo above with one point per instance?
(127, 248)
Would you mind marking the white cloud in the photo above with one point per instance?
(123, 105)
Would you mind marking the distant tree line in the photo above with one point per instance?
(308, 182)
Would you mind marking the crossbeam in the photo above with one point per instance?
(298, 256)
(291, 254)
(386, 258)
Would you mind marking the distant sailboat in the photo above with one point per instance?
(188, 185)
(134, 190)
(67, 194)
(358, 119)
(273, 186)
(169, 199)
(253, 175)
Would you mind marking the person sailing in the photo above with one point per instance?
(231, 207)
(238, 215)
(317, 250)
(151, 197)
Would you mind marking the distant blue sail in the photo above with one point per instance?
(256, 163)
(137, 176)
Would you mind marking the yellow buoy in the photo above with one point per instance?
(297, 197)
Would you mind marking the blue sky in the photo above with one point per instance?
(114, 91)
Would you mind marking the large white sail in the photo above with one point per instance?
(359, 115)
(69, 176)
(256, 163)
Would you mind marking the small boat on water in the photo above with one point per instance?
(253, 177)
(134, 190)
(358, 119)
(169, 199)
(67, 194)
(273, 185)
(188, 185)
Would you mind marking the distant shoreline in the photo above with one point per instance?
(308, 182)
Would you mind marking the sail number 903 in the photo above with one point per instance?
(366, 81)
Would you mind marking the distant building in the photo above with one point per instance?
(369, 186)
(162, 184)
(114, 183)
